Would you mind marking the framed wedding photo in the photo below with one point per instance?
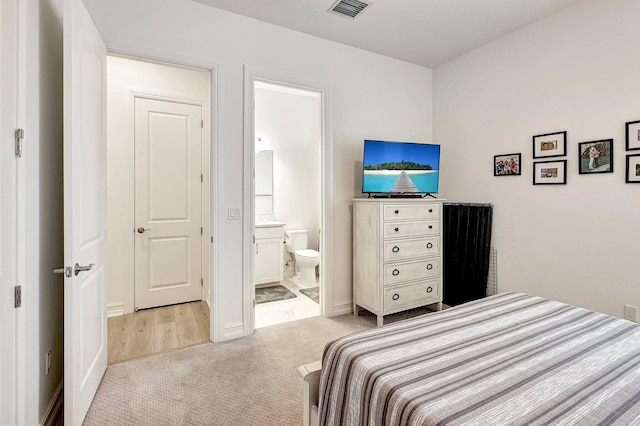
(506, 165)
(633, 169)
(550, 145)
(595, 157)
(550, 172)
(633, 135)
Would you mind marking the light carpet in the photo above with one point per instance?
(247, 381)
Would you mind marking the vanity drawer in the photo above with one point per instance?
(269, 232)
(404, 249)
(408, 212)
(411, 229)
(399, 272)
(403, 296)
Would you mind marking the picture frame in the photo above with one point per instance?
(550, 145)
(633, 169)
(507, 164)
(595, 157)
(633, 135)
(552, 172)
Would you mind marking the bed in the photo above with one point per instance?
(509, 359)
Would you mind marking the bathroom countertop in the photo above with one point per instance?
(268, 223)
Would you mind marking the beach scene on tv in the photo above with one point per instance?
(400, 167)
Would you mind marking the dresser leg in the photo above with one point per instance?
(355, 310)
(380, 321)
(439, 306)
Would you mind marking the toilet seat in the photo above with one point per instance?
(307, 253)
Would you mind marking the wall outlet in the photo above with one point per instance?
(47, 362)
(631, 313)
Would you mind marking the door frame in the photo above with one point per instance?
(211, 167)
(326, 191)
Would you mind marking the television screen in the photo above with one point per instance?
(400, 167)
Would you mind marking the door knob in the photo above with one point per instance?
(142, 229)
(77, 268)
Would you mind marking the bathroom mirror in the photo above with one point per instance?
(264, 173)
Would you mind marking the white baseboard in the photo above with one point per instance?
(233, 331)
(54, 406)
(115, 309)
(343, 308)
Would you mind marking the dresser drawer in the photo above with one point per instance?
(406, 271)
(402, 296)
(408, 212)
(411, 229)
(404, 249)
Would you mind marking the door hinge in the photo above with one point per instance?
(201, 177)
(201, 230)
(19, 137)
(17, 297)
(254, 303)
(202, 124)
(201, 282)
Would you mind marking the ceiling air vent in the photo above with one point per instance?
(348, 8)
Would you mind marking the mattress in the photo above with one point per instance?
(509, 359)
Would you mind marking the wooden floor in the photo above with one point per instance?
(151, 331)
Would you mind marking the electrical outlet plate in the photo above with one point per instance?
(631, 313)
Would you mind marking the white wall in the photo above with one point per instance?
(575, 71)
(125, 77)
(372, 97)
(290, 124)
(42, 290)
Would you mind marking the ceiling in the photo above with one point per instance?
(423, 32)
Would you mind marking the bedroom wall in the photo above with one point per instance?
(372, 97)
(575, 71)
(42, 294)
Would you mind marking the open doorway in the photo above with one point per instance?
(157, 203)
(288, 129)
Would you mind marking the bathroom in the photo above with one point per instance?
(288, 131)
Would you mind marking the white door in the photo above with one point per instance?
(8, 84)
(168, 202)
(85, 316)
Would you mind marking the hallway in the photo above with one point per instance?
(152, 331)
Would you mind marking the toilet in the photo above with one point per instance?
(306, 260)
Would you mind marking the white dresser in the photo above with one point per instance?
(397, 247)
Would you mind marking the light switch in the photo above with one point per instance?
(234, 213)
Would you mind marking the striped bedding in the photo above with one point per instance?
(509, 359)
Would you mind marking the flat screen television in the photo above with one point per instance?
(400, 168)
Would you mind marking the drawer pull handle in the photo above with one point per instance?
(429, 289)
(396, 229)
(430, 210)
(429, 267)
(429, 245)
(397, 211)
(395, 249)
(395, 296)
(395, 272)
(430, 226)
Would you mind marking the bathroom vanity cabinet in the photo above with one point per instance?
(397, 259)
(269, 252)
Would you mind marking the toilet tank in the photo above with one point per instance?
(295, 239)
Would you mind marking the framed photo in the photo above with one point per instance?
(550, 145)
(633, 135)
(506, 165)
(550, 172)
(595, 156)
(633, 169)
